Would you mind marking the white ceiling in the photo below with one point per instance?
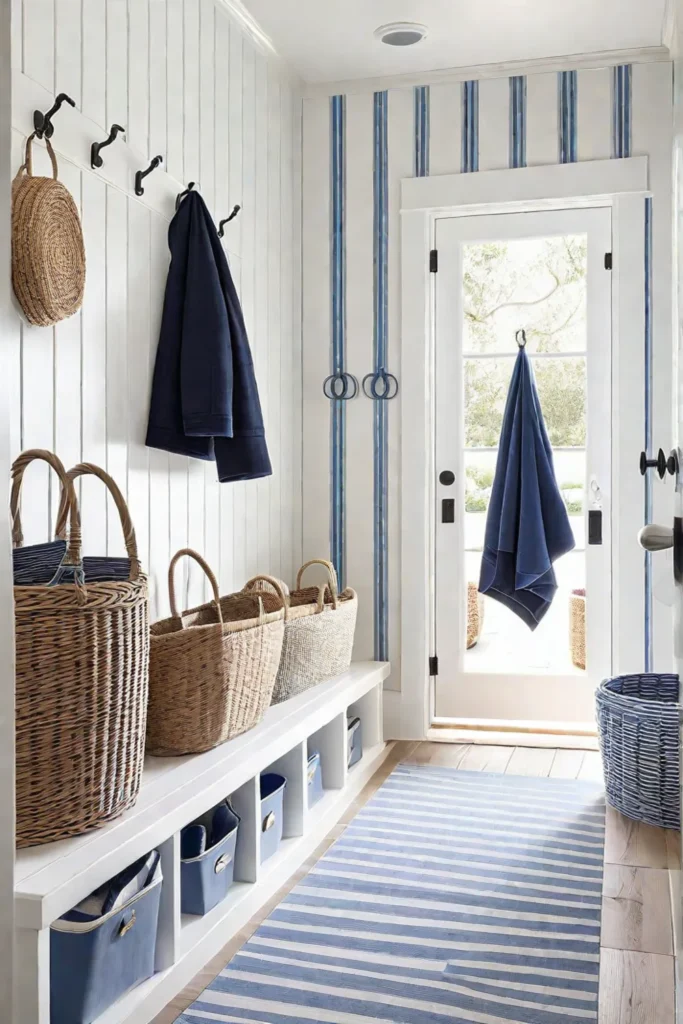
(332, 40)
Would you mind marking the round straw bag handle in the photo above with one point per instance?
(278, 586)
(207, 569)
(332, 581)
(73, 541)
(90, 469)
(48, 255)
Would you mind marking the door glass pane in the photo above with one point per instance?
(534, 283)
(540, 285)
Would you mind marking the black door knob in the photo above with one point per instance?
(447, 477)
(659, 464)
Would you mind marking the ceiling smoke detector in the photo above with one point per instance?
(401, 33)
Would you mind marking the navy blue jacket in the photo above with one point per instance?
(527, 526)
(205, 401)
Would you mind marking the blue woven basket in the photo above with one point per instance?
(639, 728)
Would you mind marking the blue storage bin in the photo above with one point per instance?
(355, 741)
(207, 866)
(272, 812)
(315, 778)
(93, 962)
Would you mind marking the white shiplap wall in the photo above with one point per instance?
(189, 84)
(652, 136)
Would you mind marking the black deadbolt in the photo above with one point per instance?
(447, 478)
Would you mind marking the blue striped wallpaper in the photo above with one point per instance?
(518, 121)
(621, 110)
(470, 127)
(421, 94)
(380, 343)
(338, 268)
(567, 120)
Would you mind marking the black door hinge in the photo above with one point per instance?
(434, 261)
(434, 666)
(608, 261)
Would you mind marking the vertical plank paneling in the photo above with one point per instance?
(174, 89)
(94, 363)
(159, 487)
(157, 77)
(297, 323)
(273, 349)
(138, 76)
(177, 484)
(117, 354)
(191, 90)
(17, 35)
(286, 258)
(261, 316)
(235, 127)
(94, 60)
(12, 363)
(195, 527)
(138, 371)
(207, 122)
(39, 42)
(117, 62)
(68, 48)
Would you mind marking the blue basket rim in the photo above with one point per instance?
(605, 691)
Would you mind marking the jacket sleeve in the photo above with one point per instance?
(206, 366)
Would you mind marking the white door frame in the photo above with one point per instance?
(621, 184)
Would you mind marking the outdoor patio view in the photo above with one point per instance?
(538, 285)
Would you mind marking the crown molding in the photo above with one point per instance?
(599, 59)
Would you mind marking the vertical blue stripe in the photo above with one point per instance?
(470, 126)
(380, 340)
(421, 101)
(648, 425)
(567, 117)
(338, 272)
(621, 110)
(518, 121)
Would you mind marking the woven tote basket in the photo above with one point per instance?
(48, 256)
(319, 628)
(82, 669)
(212, 669)
(639, 729)
(577, 628)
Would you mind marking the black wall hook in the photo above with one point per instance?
(226, 220)
(139, 175)
(42, 123)
(95, 158)
(520, 338)
(181, 195)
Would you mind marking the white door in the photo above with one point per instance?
(544, 273)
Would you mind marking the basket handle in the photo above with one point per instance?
(28, 158)
(207, 569)
(73, 546)
(278, 586)
(90, 469)
(332, 581)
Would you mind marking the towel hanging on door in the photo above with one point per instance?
(527, 526)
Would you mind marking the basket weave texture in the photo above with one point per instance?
(639, 730)
(48, 255)
(475, 614)
(577, 627)
(212, 669)
(320, 625)
(82, 664)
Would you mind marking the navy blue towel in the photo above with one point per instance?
(527, 527)
(205, 401)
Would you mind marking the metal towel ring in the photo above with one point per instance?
(388, 389)
(522, 343)
(341, 385)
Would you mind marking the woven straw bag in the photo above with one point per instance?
(319, 629)
(212, 669)
(48, 256)
(82, 672)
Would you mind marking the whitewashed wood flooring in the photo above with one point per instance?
(636, 964)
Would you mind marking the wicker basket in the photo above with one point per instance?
(82, 655)
(212, 669)
(638, 723)
(319, 628)
(475, 614)
(577, 627)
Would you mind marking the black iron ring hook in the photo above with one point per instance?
(388, 389)
(42, 123)
(226, 220)
(139, 175)
(95, 158)
(522, 335)
(181, 195)
(341, 385)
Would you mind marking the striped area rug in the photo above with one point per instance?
(453, 896)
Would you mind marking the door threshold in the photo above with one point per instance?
(569, 735)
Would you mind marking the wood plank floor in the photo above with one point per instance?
(636, 962)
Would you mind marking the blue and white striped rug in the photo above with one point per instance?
(452, 897)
